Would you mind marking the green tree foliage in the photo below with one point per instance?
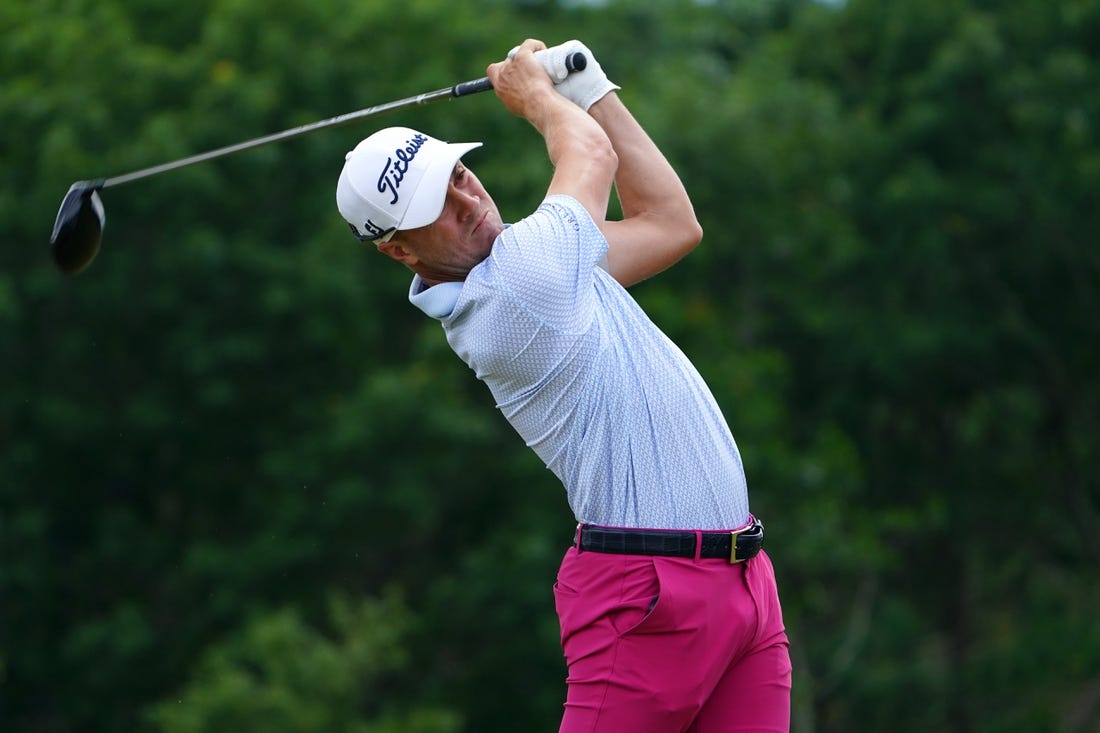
(279, 674)
(234, 416)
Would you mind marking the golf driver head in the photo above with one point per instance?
(78, 230)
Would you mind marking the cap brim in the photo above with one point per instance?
(431, 192)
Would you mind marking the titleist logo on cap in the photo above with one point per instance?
(394, 173)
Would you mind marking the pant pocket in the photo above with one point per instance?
(619, 593)
(643, 607)
(633, 614)
(760, 577)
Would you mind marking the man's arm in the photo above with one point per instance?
(659, 225)
(581, 152)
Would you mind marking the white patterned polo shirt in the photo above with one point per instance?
(612, 407)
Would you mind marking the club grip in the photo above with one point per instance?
(574, 62)
(471, 87)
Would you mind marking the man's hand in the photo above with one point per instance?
(519, 81)
(583, 88)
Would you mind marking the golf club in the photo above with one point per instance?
(78, 229)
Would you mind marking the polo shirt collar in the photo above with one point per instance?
(438, 301)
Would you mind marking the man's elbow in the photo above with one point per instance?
(691, 234)
(604, 155)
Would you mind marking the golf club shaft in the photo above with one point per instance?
(78, 229)
(458, 90)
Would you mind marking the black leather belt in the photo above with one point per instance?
(736, 546)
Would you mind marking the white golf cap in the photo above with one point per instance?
(396, 179)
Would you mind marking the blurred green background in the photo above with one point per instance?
(245, 486)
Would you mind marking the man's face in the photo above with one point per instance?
(462, 236)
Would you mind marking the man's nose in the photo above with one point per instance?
(466, 203)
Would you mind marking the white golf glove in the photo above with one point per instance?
(583, 88)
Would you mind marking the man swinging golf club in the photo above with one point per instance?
(670, 618)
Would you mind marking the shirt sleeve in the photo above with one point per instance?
(547, 262)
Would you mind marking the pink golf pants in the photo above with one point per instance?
(667, 645)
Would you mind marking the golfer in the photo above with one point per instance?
(670, 618)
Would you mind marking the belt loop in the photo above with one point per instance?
(577, 539)
(698, 545)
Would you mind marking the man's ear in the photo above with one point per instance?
(395, 250)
